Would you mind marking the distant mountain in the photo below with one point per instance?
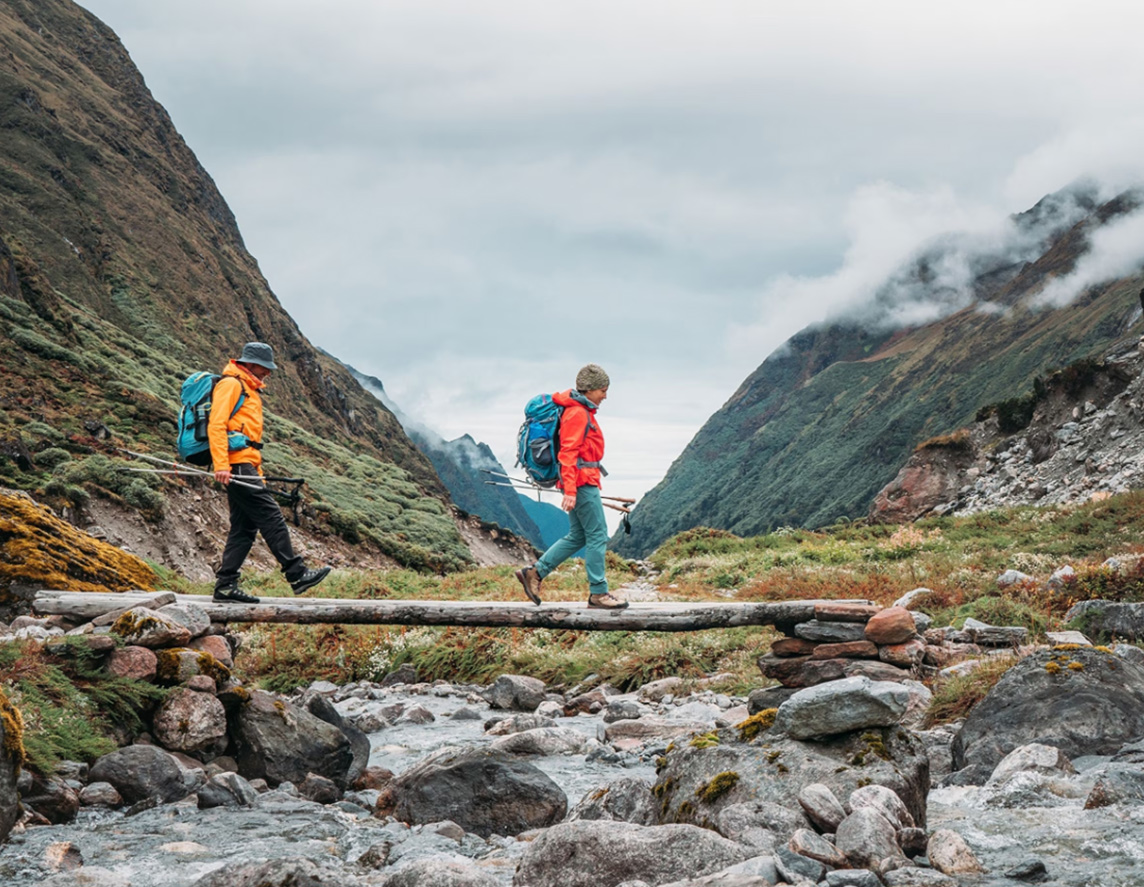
(828, 419)
(553, 522)
(462, 465)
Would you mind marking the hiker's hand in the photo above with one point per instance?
(223, 477)
(569, 502)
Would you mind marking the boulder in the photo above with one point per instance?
(894, 625)
(503, 726)
(440, 873)
(906, 655)
(542, 741)
(1033, 757)
(53, 799)
(1083, 702)
(176, 665)
(625, 800)
(216, 646)
(483, 791)
(517, 692)
(1101, 619)
(1117, 784)
(842, 706)
(100, 794)
(768, 697)
(195, 619)
(280, 742)
(227, 790)
(11, 759)
(191, 722)
(597, 854)
(950, 855)
(289, 872)
(696, 782)
(321, 708)
(134, 663)
(143, 627)
(758, 824)
(809, 843)
(866, 837)
(821, 807)
(142, 772)
(656, 690)
(881, 800)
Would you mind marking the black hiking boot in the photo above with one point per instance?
(232, 594)
(530, 579)
(309, 579)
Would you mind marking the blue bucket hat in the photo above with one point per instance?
(258, 353)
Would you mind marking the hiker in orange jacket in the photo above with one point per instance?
(236, 451)
(580, 454)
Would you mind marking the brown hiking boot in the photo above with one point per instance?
(530, 579)
(606, 602)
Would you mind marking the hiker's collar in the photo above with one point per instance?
(246, 376)
(582, 400)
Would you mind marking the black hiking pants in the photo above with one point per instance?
(253, 512)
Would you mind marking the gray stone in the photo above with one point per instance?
(882, 800)
(440, 873)
(1101, 619)
(484, 792)
(626, 800)
(192, 723)
(518, 724)
(590, 854)
(1035, 757)
(842, 706)
(624, 710)
(1012, 577)
(653, 728)
(866, 837)
(795, 868)
(1117, 784)
(195, 619)
(810, 844)
(950, 855)
(853, 878)
(142, 627)
(100, 794)
(140, 773)
(821, 807)
(1031, 870)
(657, 690)
(542, 741)
(915, 877)
(280, 742)
(757, 824)
(769, 697)
(516, 692)
(830, 632)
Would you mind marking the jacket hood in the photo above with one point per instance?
(572, 396)
(233, 369)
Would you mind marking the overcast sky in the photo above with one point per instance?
(471, 199)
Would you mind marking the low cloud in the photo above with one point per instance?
(1115, 250)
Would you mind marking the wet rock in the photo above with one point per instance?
(625, 800)
(1090, 708)
(866, 837)
(63, 856)
(482, 791)
(894, 625)
(769, 697)
(515, 692)
(416, 714)
(140, 773)
(841, 706)
(821, 807)
(294, 872)
(99, 794)
(949, 854)
(132, 662)
(916, 877)
(53, 799)
(143, 627)
(321, 708)
(588, 854)
(542, 741)
(1032, 757)
(191, 722)
(798, 869)
(517, 724)
(319, 789)
(440, 873)
(11, 730)
(1031, 871)
(279, 742)
(1117, 784)
(652, 728)
(810, 844)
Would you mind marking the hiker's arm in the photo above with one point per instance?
(573, 424)
(226, 394)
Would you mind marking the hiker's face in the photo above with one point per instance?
(597, 395)
(261, 373)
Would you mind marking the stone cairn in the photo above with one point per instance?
(848, 639)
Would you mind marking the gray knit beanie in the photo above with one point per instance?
(592, 377)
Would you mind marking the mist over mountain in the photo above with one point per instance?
(828, 419)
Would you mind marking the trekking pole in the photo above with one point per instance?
(493, 483)
(179, 468)
(530, 485)
(202, 474)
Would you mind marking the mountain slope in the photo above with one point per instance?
(827, 420)
(122, 270)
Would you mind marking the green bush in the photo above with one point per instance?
(52, 457)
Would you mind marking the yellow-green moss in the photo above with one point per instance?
(1067, 647)
(773, 756)
(131, 625)
(756, 724)
(1076, 666)
(1052, 667)
(13, 723)
(720, 784)
(212, 668)
(704, 740)
(685, 812)
(875, 745)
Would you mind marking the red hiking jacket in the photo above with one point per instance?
(581, 441)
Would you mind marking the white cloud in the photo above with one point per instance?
(1115, 250)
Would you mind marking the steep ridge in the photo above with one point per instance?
(828, 419)
(122, 269)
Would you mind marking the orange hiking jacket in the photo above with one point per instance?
(581, 440)
(248, 419)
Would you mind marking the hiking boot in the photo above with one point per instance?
(606, 602)
(233, 594)
(309, 579)
(530, 579)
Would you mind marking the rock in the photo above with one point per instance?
(321, 708)
(191, 722)
(853, 878)
(195, 619)
(201, 683)
(517, 724)
(801, 671)
(914, 877)
(821, 807)
(844, 611)
(53, 799)
(798, 869)
(654, 691)
(517, 692)
(769, 697)
(319, 789)
(652, 728)
(626, 710)
(950, 855)
(367, 722)
(238, 792)
(1117, 784)
(416, 714)
(405, 674)
(830, 632)
(142, 627)
(216, 646)
(1092, 708)
(913, 841)
(907, 655)
(134, 663)
(63, 856)
(290, 872)
(440, 873)
(810, 844)
(625, 800)
(881, 800)
(591, 854)
(849, 650)
(373, 777)
(140, 773)
(1035, 757)
(1062, 578)
(875, 671)
(1129, 652)
(542, 741)
(11, 759)
(795, 647)
(842, 706)
(1031, 870)
(894, 625)
(279, 742)
(585, 703)
(1012, 577)
(910, 596)
(1101, 619)
(177, 665)
(99, 794)
(758, 824)
(482, 791)
(866, 837)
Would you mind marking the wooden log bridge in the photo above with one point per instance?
(658, 616)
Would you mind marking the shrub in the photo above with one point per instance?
(52, 457)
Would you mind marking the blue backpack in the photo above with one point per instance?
(192, 441)
(539, 440)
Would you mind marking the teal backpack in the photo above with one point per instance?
(192, 441)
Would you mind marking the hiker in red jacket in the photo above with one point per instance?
(580, 454)
(252, 507)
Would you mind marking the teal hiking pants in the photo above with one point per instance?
(587, 529)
